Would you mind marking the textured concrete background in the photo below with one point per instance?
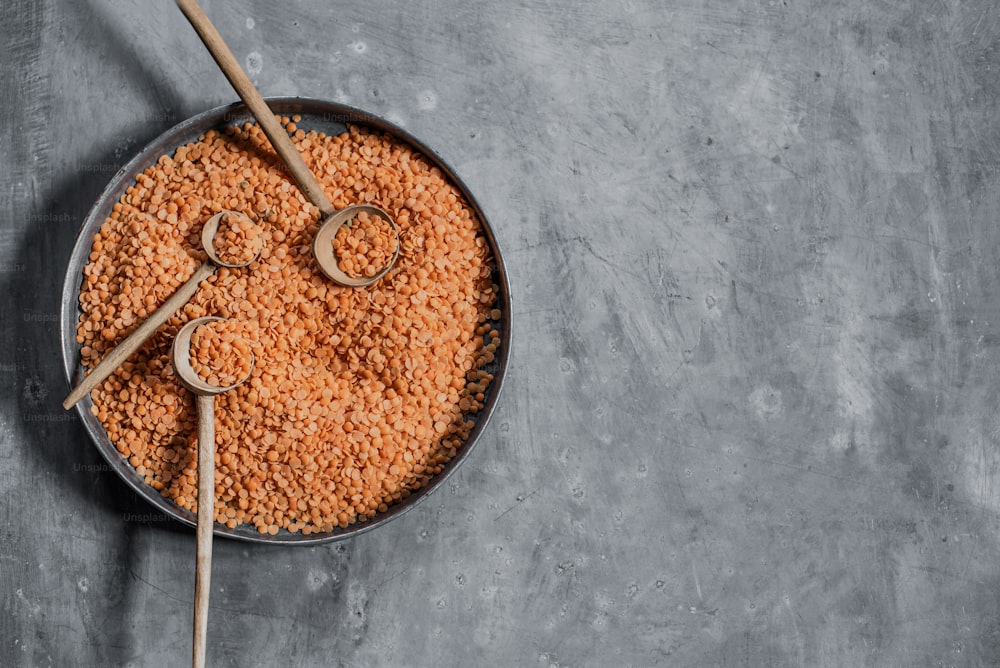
(751, 416)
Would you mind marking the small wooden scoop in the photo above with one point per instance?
(180, 357)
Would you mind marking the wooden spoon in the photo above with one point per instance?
(283, 146)
(180, 357)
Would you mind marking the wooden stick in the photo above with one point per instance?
(206, 522)
(134, 341)
(283, 146)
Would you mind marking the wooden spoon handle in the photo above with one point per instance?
(206, 522)
(283, 146)
(134, 341)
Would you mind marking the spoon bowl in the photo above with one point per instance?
(180, 359)
(326, 258)
(208, 240)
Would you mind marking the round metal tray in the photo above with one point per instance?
(328, 117)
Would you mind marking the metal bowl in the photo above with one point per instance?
(328, 117)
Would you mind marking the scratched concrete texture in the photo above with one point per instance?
(751, 414)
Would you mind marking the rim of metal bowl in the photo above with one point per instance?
(329, 117)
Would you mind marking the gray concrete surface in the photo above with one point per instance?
(751, 418)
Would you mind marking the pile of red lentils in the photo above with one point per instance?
(220, 353)
(358, 396)
(237, 240)
(364, 246)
